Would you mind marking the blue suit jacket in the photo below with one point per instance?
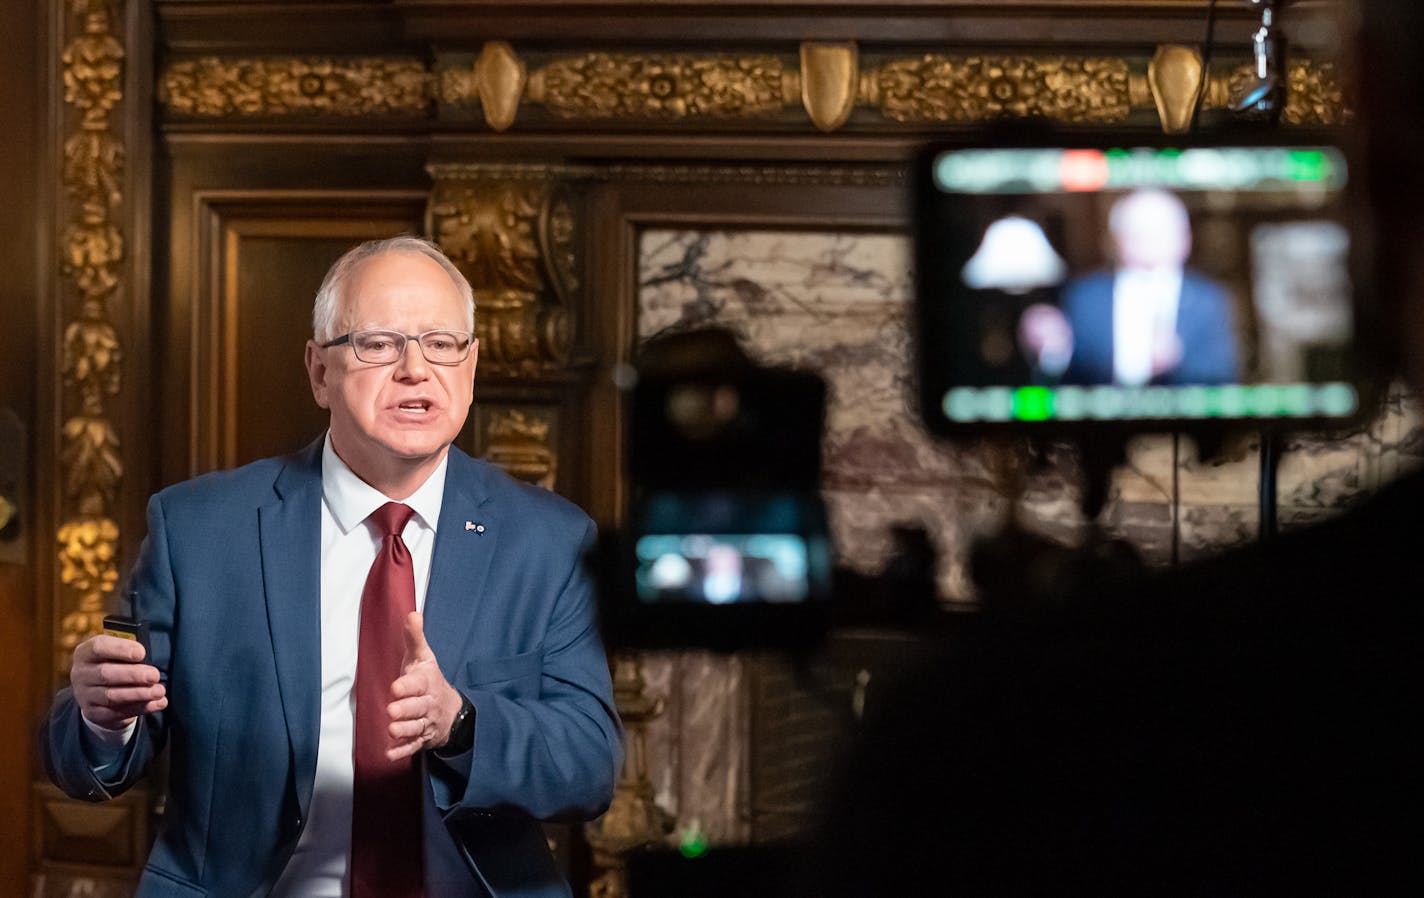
(1203, 325)
(229, 581)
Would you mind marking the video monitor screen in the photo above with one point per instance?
(1137, 286)
(726, 547)
(719, 568)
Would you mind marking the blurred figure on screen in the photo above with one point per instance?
(1150, 320)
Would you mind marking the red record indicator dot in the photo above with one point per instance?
(1083, 170)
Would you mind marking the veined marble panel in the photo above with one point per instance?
(696, 750)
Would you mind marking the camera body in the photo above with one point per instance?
(727, 545)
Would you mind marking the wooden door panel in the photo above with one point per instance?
(261, 257)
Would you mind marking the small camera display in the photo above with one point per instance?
(728, 547)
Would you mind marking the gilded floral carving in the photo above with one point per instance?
(512, 233)
(965, 89)
(519, 442)
(88, 554)
(93, 67)
(91, 462)
(88, 566)
(660, 86)
(488, 230)
(91, 261)
(280, 86)
(672, 87)
(1315, 94)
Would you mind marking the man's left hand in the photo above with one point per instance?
(425, 705)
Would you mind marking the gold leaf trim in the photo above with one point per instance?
(965, 89)
(88, 566)
(1316, 94)
(285, 86)
(830, 74)
(679, 87)
(500, 76)
(660, 86)
(1176, 75)
(520, 443)
(92, 255)
(514, 239)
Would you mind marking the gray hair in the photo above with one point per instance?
(328, 296)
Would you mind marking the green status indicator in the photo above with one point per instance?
(1296, 400)
(692, 841)
(1033, 403)
(1265, 401)
(1308, 165)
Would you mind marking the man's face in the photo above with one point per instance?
(1152, 231)
(389, 421)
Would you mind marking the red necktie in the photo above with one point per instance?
(386, 845)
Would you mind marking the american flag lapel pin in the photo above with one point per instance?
(471, 525)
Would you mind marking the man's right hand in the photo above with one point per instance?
(112, 684)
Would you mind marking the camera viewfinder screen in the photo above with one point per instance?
(721, 568)
(1140, 284)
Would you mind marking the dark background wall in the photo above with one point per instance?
(21, 302)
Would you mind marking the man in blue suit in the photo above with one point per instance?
(1151, 320)
(494, 704)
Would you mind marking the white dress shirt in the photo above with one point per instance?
(1144, 319)
(349, 545)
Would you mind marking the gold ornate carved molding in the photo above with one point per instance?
(92, 255)
(966, 89)
(288, 86)
(520, 442)
(512, 230)
(829, 83)
(660, 86)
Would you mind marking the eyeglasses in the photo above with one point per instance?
(387, 347)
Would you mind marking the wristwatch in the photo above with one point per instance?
(462, 731)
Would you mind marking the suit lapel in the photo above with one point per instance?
(290, 535)
(461, 559)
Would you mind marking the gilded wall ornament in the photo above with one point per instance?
(828, 83)
(1177, 76)
(88, 567)
(1315, 94)
(512, 231)
(660, 86)
(495, 81)
(91, 259)
(519, 442)
(92, 466)
(934, 88)
(93, 67)
(830, 74)
(286, 86)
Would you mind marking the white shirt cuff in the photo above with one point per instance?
(105, 747)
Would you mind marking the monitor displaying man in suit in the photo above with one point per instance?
(374, 662)
(1150, 320)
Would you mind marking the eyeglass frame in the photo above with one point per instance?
(345, 340)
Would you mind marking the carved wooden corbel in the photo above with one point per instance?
(513, 229)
